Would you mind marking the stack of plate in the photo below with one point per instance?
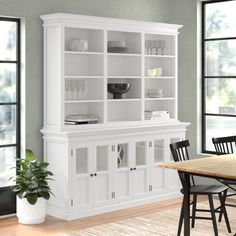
(117, 47)
(81, 119)
(155, 115)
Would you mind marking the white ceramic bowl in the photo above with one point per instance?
(78, 44)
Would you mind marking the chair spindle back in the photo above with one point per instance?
(225, 145)
(179, 152)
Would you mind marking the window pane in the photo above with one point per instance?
(221, 58)
(220, 19)
(217, 126)
(8, 40)
(220, 96)
(7, 124)
(7, 82)
(7, 161)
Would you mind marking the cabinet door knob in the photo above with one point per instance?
(91, 175)
(134, 168)
(95, 174)
(131, 169)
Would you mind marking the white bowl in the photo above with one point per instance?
(78, 44)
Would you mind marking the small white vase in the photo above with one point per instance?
(31, 214)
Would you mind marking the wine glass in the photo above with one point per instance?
(72, 89)
(153, 48)
(77, 88)
(82, 88)
(157, 45)
(162, 45)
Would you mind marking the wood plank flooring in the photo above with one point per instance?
(53, 226)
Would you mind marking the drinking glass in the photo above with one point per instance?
(162, 45)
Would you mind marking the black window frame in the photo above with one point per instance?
(203, 42)
(6, 193)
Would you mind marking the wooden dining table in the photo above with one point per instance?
(217, 167)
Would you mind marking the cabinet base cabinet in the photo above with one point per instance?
(77, 213)
(103, 171)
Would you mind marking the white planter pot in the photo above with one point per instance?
(31, 214)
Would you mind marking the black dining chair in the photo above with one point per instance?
(180, 153)
(226, 145)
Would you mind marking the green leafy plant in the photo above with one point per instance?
(31, 179)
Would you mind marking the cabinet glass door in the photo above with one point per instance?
(158, 150)
(82, 186)
(101, 174)
(139, 175)
(122, 165)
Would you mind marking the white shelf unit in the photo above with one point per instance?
(77, 81)
(113, 164)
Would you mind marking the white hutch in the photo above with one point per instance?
(111, 164)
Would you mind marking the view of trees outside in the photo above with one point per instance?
(8, 45)
(220, 61)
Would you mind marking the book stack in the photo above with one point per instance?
(155, 115)
(81, 119)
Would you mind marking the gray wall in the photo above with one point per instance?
(170, 11)
(185, 12)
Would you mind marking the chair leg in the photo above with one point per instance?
(224, 199)
(181, 218)
(194, 210)
(223, 210)
(213, 216)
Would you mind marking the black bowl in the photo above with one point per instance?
(117, 89)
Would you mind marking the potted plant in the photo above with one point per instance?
(32, 189)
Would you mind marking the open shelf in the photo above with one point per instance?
(132, 40)
(124, 111)
(94, 38)
(83, 65)
(166, 65)
(91, 108)
(166, 86)
(160, 45)
(83, 89)
(161, 105)
(134, 91)
(124, 66)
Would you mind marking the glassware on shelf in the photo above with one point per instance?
(82, 83)
(148, 47)
(162, 45)
(78, 89)
(157, 46)
(153, 47)
(72, 89)
(67, 89)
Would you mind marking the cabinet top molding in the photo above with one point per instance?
(108, 23)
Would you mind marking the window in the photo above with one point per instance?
(218, 71)
(9, 103)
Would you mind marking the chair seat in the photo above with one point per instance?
(228, 182)
(206, 189)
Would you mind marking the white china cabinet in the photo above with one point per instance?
(111, 162)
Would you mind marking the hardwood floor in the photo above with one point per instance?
(53, 226)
